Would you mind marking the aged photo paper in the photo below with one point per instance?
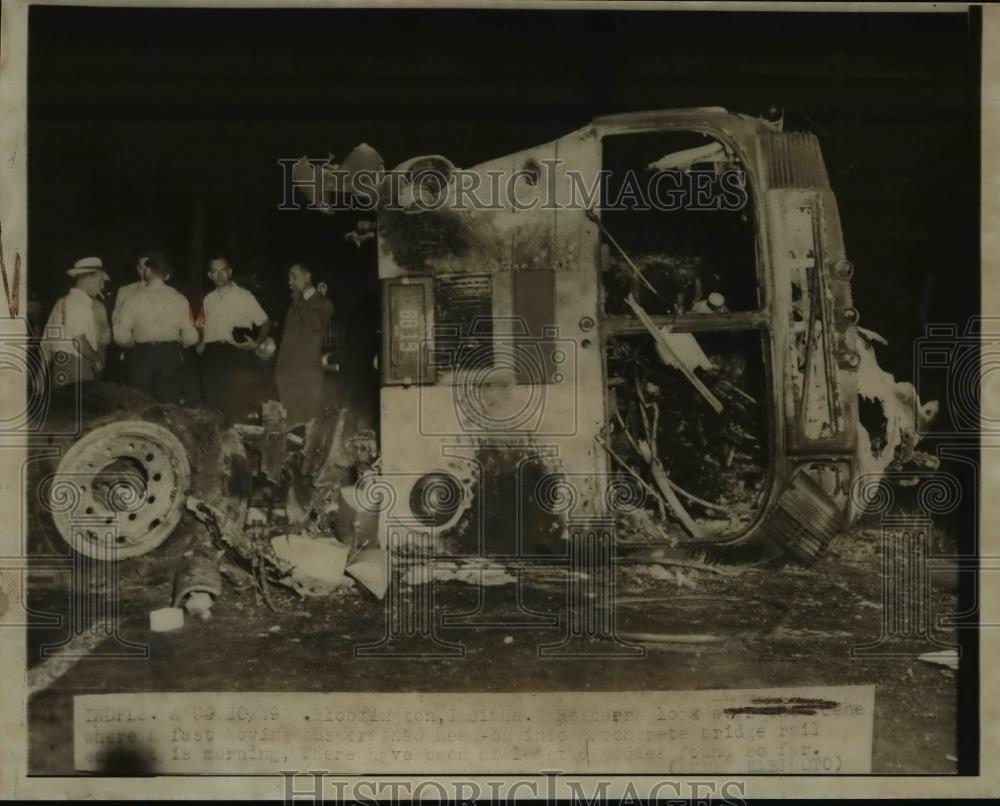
(550, 400)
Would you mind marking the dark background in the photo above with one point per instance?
(134, 114)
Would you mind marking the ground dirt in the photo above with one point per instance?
(785, 627)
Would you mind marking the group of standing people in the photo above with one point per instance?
(153, 327)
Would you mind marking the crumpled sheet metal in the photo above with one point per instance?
(906, 418)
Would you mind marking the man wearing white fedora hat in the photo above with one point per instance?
(77, 334)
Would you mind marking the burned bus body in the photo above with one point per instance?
(709, 351)
(647, 322)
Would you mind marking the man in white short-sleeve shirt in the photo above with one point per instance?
(128, 290)
(155, 324)
(229, 307)
(77, 333)
(121, 297)
(233, 327)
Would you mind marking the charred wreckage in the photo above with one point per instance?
(537, 359)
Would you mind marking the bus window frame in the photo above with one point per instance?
(760, 320)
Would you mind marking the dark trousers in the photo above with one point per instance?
(117, 368)
(191, 378)
(232, 380)
(156, 370)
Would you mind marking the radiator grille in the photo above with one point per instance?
(794, 160)
(804, 521)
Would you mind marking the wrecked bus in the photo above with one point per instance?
(707, 350)
(648, 321)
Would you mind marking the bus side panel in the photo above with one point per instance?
(535, 378)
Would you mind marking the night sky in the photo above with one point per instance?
(135, 114)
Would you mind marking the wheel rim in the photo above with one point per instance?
(119, 491)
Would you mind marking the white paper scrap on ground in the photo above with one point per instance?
(784, 731)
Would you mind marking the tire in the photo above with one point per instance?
(194, 452)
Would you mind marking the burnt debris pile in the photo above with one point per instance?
(705, 471)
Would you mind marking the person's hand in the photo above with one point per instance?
(200, 347)
(98, 367)
(247, 344)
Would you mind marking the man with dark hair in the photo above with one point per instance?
(234, 326)
(120, 372)
(299, 370)
(155, 322)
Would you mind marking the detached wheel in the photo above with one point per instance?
(120, 490)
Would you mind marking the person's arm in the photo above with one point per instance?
(199, 324)
(57, 317)
(262, 330)
(258, 316)
(56, 320)
(80, 319)
(90, 354)
(126, 322)
(116, 312)
(103, 328)
(189, 334)
(265, 329)
(322, 321)
(103, 332)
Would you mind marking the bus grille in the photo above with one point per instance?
(794, 160)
